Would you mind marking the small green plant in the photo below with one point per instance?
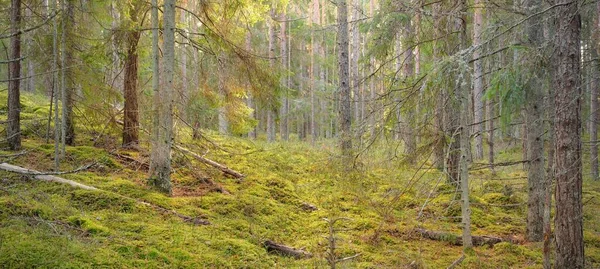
(332, 240)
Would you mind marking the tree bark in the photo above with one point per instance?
(13, 129)
(595, 83)
(534, 105)
(344, 84)
(68, 125)
(478, 79)
(131, 114)
(283, 118)
(271, 100)
(465, 142)
(569, 207)
(160, 160)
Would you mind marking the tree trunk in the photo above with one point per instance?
(595, 83)
(344, 84)
(131, 119)
(283, 118)
(354, 56)
(160, 162)
(439, 128)
(13, 129)
(410, 143)
(465, 142)
(478, 79)
(569, 207)
(271, 101)
(534, 105)
(68, 127)
(222, 92)
(31, 78)
(55, 87)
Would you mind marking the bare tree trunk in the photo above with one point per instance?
(478, 79)
(595, 83)
(30, 81)
(269, 107)
(283, 118)
(465, 142)
(344, 84)
(250, 101)
(222, 91)
(569, 207)
(354, 56)
(68, 128)
(534, 105)
(55, 87)
(410, 143)
(131, 119)
(13, 129)
(439, 128)
(160, 160)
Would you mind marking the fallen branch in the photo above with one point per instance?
(45, 177)
(457, 240)
(285, 250)
(212, 163)
(457, 262)
(140, 164)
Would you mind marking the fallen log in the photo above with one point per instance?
(46, 177)
(285, 250)
(457, 240)
(212, 163)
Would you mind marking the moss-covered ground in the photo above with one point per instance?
(49, 225)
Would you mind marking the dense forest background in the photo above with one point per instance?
(395, 121)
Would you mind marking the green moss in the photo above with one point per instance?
(99, 200)
(88, 225)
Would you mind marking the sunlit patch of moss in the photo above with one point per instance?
(88, 225)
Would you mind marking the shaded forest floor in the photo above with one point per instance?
(56, 226)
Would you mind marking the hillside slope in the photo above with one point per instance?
(50, 225)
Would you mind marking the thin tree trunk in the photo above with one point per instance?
(222, 91)
(55, 87)
(31, 78)
(478, 79)
(344, 84)
(270, 103)
(595, 83)
(569, 207)
(283, 118)
(410, 142)
(160, 161)
(13, 130)
(439, 128)
(465, 142)
(534, 105)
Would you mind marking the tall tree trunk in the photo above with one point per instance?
(131, 118)
(250, 101)
(55, 87)
(344, 84)
(465, 142)
(354, 56)
(410, 142)
(160, 160)
(595, 83)
(13, 129)
(439, 128)
(283, 118)
(30, 81)
(270, 102)
(534, 105)
(569, 207)
(222, 91)
(478, 79)
(68, 126)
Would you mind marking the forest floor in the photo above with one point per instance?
(382, 201)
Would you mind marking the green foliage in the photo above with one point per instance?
(508, 85)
